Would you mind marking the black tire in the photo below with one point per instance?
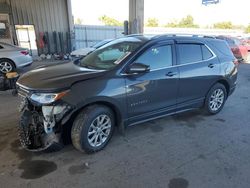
(10, 63)
(207, 106)
(81, 127)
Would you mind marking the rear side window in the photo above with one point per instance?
(189, 53)
(206, 54)
(157, 57)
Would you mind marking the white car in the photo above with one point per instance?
(12, 57)
(85, 51)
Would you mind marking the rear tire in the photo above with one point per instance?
(6, 66)
(215, 99)
(93, 128)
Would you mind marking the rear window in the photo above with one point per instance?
(222, 47)
(229, 41)
(237, 41)
(7, 45)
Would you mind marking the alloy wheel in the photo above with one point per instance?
(99, 130)
(216, 99)
(5, 67)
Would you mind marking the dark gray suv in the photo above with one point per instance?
(125, 82)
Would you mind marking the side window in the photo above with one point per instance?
(237, 42)
(206, 54)
(189, 53)
(1, 47)
(157, 57)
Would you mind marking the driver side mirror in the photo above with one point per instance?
(136, 68)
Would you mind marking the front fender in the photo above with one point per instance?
(107, 91)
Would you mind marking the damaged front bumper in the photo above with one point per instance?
(40, 127)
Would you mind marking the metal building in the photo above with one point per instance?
(43, 26)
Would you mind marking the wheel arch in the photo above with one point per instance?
(221, 81)
(5, 58)
(226, 85)
(114, 107)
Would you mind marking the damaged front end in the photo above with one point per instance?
(40, 127)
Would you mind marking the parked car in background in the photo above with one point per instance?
(150, 77)
(246, 42)
(85, 51)
(12, 57)
(239, 50)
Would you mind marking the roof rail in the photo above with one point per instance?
(185, 35)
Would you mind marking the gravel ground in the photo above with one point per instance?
(189, 150)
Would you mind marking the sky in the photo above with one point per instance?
(236, 11)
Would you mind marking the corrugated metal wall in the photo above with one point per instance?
(50, 20)
(46, 15)
(87, 35)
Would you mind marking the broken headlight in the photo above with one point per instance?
(47, 98)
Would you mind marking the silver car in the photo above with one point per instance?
(82, 52)
(12, 57)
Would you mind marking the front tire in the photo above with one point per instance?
(93, 128)
(215, 99)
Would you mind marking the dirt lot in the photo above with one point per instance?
(189, 150)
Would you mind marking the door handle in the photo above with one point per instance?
(171, 74)
(211, 65)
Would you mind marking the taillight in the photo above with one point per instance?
(24, 52)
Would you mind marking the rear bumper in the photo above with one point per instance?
(24, 64)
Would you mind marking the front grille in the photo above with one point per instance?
(22, 92)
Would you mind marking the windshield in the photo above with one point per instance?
(99, 44)
(109, 55)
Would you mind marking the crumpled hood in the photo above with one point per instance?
(56, 77)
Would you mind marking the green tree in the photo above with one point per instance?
(110, 21)
(223, 25)
(242, 27)
(187, 22)
(78, 21)
(247, 30)
(172, 24)
(152, 22)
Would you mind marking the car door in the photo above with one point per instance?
(153, 92)
(199, 69)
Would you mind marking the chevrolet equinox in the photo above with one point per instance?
(128, 81)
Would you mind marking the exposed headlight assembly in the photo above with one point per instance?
(47, 98)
